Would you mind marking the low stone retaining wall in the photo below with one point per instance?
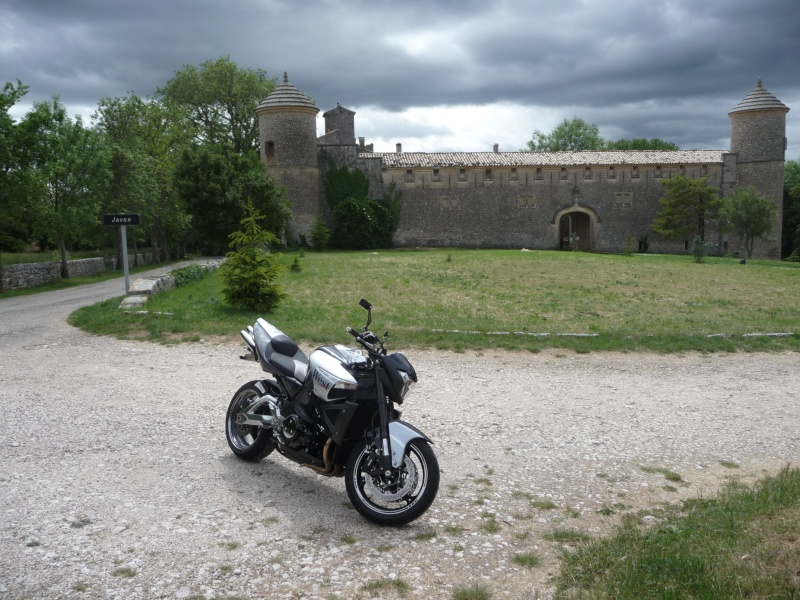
(28, 275)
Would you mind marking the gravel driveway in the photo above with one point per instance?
(116, 480)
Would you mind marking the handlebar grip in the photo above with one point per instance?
(352, 332)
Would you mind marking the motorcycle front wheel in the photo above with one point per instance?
(396, 499)
(248, 442)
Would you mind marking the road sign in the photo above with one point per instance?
(121, 219)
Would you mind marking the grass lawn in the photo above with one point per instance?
(463, 299)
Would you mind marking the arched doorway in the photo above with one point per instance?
(575, 231)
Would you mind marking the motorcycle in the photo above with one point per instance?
(336, 411)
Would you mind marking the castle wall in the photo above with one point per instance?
(521, 208)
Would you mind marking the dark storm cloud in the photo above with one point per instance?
(671, 70)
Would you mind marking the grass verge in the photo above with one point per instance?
(476, 299)
(743, 544)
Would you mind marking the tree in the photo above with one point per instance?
(14, 177)
(749, 215)
(570, 136)
(640, 144)
(791, 208)
(69, 162)
(342, 183)
(221, 99)
(215, 185)
(250, 271)
(687, 206)
(574, 135)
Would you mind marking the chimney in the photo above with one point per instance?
(496, 148)
(399, 148)
(361, 142)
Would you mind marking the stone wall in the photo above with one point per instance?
(29, 275)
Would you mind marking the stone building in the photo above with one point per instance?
(522, 199)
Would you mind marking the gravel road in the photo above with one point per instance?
(116, 480)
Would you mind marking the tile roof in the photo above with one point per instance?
(759, 99)
(409, 160)
(286, 95)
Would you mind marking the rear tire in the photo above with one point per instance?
(397, 500)
(249, 442)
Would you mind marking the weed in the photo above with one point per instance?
(544, 504)
(386, 583)
(348, 539)
(453, 529)
(526, 559)
(668, 475)
(728, 464)
(385, 548)
(483, 481)
(475, 591)
(566, 536)
(124, 572)
(425, 535)
(80, 586)
(229, 545)
(490, 525)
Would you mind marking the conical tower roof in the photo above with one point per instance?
(286, 96)
(759, 99)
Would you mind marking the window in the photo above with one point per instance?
(487, 175)
(462, 174)
(635, 174)
(436, 175)
(539, 173)
(623, 199)
(587, 173)
(612, 173)
(563, 174)
(514, 176)
(269, 148)
(449, 202)
(527, 202)
(658, 172)
(410, 175)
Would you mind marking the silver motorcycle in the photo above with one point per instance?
(337, 412)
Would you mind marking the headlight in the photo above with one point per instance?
(406, 383)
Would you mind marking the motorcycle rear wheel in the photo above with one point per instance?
(248, 442)
(399, 499)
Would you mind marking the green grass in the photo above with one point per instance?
(499, 299)
(742, 544)
(475, 591)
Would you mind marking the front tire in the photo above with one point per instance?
(399, 499)
(248, 442)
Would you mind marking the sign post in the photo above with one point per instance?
(123, 220)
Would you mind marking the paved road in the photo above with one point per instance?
(41, 318)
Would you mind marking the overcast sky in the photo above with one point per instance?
(435, 75)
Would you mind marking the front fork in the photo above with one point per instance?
(385, 456)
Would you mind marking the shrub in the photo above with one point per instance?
(699, 250)
(188, 274)
(320, 234)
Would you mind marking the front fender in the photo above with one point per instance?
(400, 434)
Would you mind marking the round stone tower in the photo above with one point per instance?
(288, 141)
(758, 138)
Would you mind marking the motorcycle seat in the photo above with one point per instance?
(283, 344)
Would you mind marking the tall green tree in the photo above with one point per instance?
(571, 135)
(575, 135)
(221, 99)
(687, 207)
(14, 177)
(215, 184)
(70, 165)
(342, 183)
(791, 208)
(640, 144)
(749, 215)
